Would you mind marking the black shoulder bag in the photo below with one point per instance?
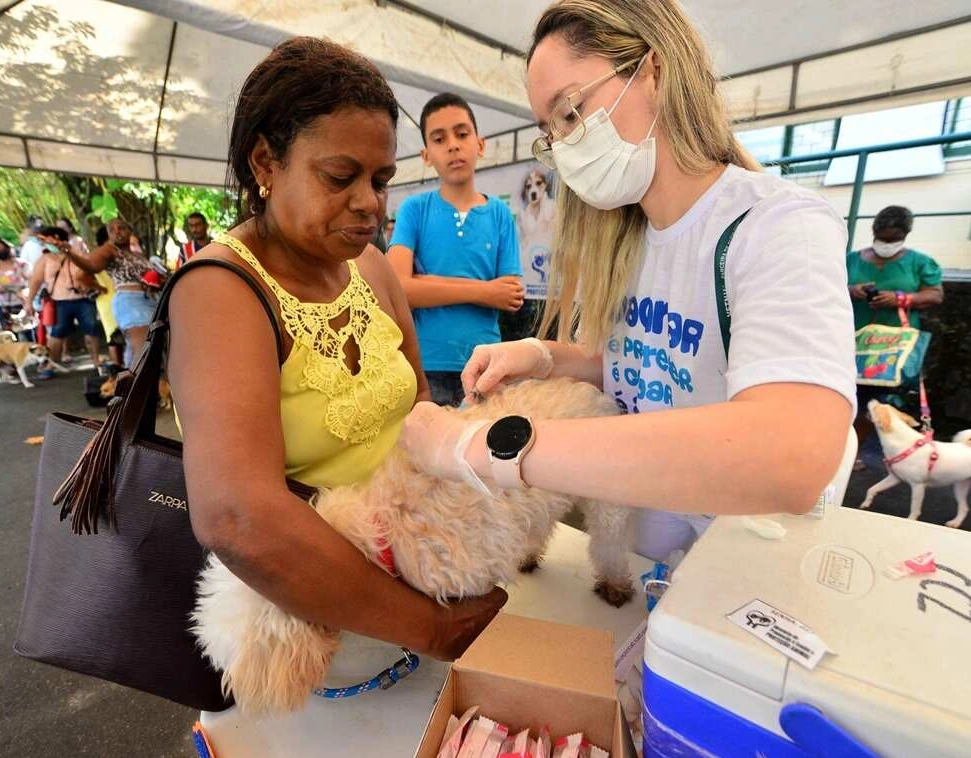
(113, 559)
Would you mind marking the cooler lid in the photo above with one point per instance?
(908, 637)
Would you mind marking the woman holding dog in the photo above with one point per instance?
(749, 418)
(312, 150)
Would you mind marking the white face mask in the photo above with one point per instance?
(887, 249)
(604, 170)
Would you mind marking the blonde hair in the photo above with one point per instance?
(595, 252)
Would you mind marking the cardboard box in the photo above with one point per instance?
(529, 673)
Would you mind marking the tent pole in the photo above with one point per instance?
(161, 104)
(9, 6)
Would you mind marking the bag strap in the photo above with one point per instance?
(903, 315)
(721, 291)
(57, 275)
(162, 309)
(139, 420)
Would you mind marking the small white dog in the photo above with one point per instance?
(921, 462)
(447, 540)
(20, 355)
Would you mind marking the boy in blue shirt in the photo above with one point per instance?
(455, 251)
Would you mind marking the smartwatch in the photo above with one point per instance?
(508, 441)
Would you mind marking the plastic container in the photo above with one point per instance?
(897, 685)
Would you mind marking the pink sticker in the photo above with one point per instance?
(919, 564)
(922, 564)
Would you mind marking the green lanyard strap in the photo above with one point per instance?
(721, 292)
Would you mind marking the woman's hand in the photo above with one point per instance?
(64, 247)
(491, 365)
(858, 291)
(436, 440)
(884, 299)
(461, 622)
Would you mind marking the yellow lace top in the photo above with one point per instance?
(337, 425)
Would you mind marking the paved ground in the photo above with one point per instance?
(48, 712)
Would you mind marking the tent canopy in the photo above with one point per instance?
(145, 88)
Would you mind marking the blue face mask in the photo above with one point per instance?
(51, 247)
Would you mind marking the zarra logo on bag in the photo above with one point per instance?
(171, 502)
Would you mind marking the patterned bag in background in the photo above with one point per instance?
(890, 356)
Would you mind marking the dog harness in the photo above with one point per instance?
(385, 557)
(927, 439)
(926, 428)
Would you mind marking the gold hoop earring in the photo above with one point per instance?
(264, 192)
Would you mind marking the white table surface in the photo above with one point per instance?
(390, 723)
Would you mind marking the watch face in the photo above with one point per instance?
(508, 436)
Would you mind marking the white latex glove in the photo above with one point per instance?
(436, 440)
(491, 365)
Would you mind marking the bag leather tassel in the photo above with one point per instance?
(88, 488)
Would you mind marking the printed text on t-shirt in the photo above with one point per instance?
(653, 373)
(654, 316)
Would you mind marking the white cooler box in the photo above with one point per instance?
(898, 685)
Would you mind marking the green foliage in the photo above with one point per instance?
(25, 193)
(104, 207)
(156, 211)
(216, 205)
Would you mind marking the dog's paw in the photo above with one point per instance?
(864, 506)
(28, 385)
(954, 523)
(613, 594)
(530, 564)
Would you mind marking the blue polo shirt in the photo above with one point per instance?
(483, 246)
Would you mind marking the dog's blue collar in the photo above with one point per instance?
(384, 680)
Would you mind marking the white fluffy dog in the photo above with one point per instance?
(448, 541)
(920, 463)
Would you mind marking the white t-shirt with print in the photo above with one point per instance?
(791, 319)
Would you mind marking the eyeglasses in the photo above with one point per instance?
(566, 123)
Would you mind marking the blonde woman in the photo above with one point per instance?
(749, 419)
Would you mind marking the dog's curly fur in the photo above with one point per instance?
(449, 541)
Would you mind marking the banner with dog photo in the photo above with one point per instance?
(527, 188)
(535, 221)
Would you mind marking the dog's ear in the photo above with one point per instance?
(909, 420)
(881, 416)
